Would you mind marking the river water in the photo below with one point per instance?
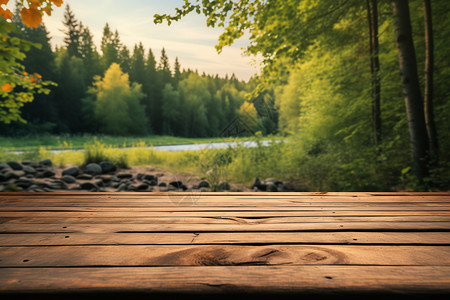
(185, 147)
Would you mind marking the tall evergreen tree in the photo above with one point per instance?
(90, 56)
(137, 72)
(176, 73)
(152, 89)
(110, 47)
(72, 32)
(125, 59)
(164, 67)
(71, 89)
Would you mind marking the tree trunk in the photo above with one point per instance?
(428, 92)
(374, 69)
(411, 89)
(372, 12)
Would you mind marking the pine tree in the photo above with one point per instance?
(90, 56)
(164, 68)
(137, 72)
(110, 47)
(73, 33)
(152, 89)
(125, 59)
(176, 73)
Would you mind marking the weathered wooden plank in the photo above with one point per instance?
(34, 218)
(231, 279)
(225, 206)
(228, 194)
(213, 199)
(156, 238)
(142, 212)
(235, 227)
(222, 255)
(221, 205)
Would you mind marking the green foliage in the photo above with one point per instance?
(17, 87)
(117, 108)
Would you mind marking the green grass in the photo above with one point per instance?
(67, 142)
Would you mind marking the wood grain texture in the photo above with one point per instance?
(220, 243)
(231, 279)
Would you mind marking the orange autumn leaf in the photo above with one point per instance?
(57, 2)
(31, 17)
(7, 14)
(35, 3)
(47, 11)
(33, 79)
(25, 73)
(4, 2)
(7, 87)
(37, 75)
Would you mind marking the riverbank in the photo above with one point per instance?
(78, 142)
(43, 176)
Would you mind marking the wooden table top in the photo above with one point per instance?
(224, 243)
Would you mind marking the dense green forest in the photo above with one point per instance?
(121, 91)
(359, 89)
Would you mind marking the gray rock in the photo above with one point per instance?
(4, 166)
(124, 176)
(84, 177)
(258, 185)
(93, 169)
(17, 174)
(15, 165)
(272, 181)
(106, 179)
(58, 185)
(5, 176)
(176, 184)
(46, 162)
(224, 186)
(68, 179)
(122, 187)
(24, 183)
(153, 182)
(142, 187)
(74, 171)
(88, 186)
(29, 170)
(107, 167)
(48, 173)
(271, 188)
(150, 177)
(203, 184)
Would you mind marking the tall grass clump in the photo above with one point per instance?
(98, 152)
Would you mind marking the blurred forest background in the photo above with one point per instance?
(330, 93)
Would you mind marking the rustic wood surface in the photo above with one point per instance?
(320, 243)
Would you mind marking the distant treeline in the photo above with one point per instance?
(121, 91)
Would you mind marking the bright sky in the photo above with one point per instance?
(189, 38)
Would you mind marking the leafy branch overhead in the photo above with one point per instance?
(17, 86)
(32, 10)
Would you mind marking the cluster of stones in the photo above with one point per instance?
(29, 176)
(271, 185)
